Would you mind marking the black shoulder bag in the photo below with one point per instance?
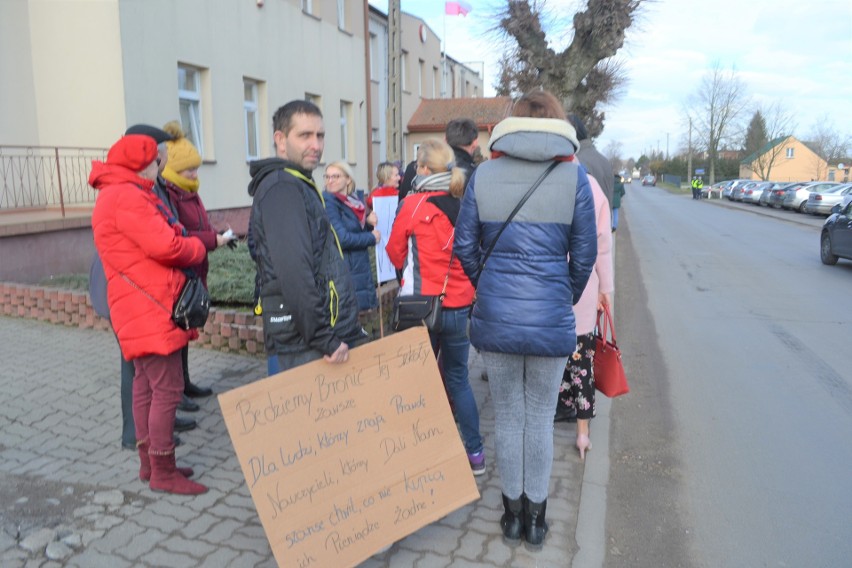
(416, 310)
(511, 216)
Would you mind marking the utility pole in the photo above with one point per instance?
(394, 110)
(689, 153)
(667, 146)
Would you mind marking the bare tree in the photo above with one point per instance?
(778, 125)
(612, 152)
(827, 142)
(714, 109)
(582, 75)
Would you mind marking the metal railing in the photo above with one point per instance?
(39, 177)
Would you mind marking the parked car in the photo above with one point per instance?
(649, 180)
(729, 190)
(737, 193)
(777, 194)
(752, 193)
(836, 237)
(796, 199)
(716, 188)
(820, 203)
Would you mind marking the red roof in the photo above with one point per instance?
(433, 114)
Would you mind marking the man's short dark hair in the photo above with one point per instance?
(283, 117)
(579, 127)
(461, 132)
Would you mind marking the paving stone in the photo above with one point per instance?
(161, 557)
(222, 558)
(221, 531)
(91, 558)
(113, 498)
(194, 547)
(58, 550)
(196, 527)
(38, 540)
(106, 522)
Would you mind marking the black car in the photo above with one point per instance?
(836, 238)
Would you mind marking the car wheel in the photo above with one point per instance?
(825, 253)
(802, 206)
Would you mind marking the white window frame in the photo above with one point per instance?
(790, 153)
(308, 6)
(251, 110)
(420, 71)
(191, 100)
(435, 82)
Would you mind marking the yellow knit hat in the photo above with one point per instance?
(182, 154)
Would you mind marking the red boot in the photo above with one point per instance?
(166, 478)
(145, 464)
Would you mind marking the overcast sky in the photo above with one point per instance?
(796, 53)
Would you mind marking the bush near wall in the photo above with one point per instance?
(228, 330)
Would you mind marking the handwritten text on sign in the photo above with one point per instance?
(342, 460)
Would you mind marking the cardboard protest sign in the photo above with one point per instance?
(342, 460)
(385, 208)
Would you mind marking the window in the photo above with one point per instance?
(376, 139)
(435, 82)
(345, 130)
(250, 107)
(189, 95)
(316, 99)
(789, 152)
(374, 57)
(341, 14)
(308, 6)
(404, 64)
(420, 77)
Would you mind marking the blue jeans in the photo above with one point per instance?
(284, 362)
(615, 218)
(524, 389)
(454, 346)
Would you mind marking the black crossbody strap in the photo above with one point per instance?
(512, 215)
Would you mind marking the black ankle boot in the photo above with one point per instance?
(534, 524)
(512, 521)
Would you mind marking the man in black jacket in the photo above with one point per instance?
(463, 137)
(309, 305)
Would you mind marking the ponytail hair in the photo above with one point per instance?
(437, 155)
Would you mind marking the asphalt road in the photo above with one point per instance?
(733, 448)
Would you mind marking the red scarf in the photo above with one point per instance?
(354, 204)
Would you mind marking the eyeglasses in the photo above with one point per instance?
(334, 177)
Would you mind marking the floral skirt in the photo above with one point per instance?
(578, 381)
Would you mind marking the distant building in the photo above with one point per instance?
(787, 159)
(431, 118)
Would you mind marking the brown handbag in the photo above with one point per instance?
(608, 368)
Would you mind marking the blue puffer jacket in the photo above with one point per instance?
(541, 262)
(355, 241)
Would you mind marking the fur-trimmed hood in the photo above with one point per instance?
(534, 139)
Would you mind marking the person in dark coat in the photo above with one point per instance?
(182, 184)
(523, 322)
(463, 137)
(309, 307)
(355, 228)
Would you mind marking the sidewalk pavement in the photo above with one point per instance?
(70, 496)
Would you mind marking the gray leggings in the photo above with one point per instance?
(524, 389)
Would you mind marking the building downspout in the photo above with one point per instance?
(369, 96)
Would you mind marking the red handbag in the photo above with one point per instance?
(609, 370)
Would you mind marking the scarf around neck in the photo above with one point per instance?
(354, 204)
(186, 184)
(433, 182)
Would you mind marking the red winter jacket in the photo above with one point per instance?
(193, 216)
(134, 238)
(422, 240)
